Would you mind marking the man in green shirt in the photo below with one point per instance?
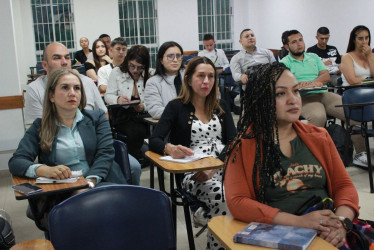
(310, 72)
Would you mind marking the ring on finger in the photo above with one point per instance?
(321, 221)
(60, 169)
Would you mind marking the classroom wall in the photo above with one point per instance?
(269, 18)
(92, 22)
(178, 21)
(11, 123)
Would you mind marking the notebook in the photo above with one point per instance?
(74, 178)
(276, 236)
(186, 159)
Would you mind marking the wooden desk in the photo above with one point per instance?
(175, 170)
(150, 121)
(225, 227)
(38, 244)
(48, 191)
(174, 167)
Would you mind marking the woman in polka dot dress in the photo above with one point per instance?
(198, 122)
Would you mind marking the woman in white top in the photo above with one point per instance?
(167, 82)
(126, 83)
(358, 63)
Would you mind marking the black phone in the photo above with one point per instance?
(27, 188)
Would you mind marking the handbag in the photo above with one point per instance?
(361, 237)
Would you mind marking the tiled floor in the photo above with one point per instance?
(25, 229)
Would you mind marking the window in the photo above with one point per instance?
(138, 24)
(215, 18)
(53, 22)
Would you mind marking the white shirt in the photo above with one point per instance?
(217, 56)
(121, 83)
(103, 74)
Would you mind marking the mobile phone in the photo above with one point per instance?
(27, 188)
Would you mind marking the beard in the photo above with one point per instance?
(294, 53)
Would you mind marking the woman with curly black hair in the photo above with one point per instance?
(276, 163)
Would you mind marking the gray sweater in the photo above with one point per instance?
(159, 90)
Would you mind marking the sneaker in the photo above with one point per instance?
(199, 218)
(361, 159)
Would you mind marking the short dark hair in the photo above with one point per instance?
(103, 35)
(160, 69)
(208, 37)
(241, 33)
(290, 33)
(323, 31)
(118, 40)
(284, 36)
(353, 35)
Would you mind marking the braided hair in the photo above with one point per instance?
(259, 106)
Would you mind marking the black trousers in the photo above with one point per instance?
(135, 129)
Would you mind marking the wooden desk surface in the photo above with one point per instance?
(49, 188)
(174, 167)
(38, 244)
(150, 120)
(225, 227)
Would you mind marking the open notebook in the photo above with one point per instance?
(74, 178)
(186, 159)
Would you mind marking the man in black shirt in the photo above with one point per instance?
(328, 54)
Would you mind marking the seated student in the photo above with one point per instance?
(358, 63)
(126, 83)
(248, 57)
(310, 72)
(80, 57)
(283, 52)
(100, 58)
(55, 56)
(329, 54)
(167, 81)
(119, 50)
(276, 163)
(198, 123)
(68, 138)
(108, 41)
(217, 56)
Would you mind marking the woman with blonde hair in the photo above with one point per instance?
(67, 137)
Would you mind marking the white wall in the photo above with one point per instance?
(11, 125)
(269, 18)
(178, 21)
(95, 17)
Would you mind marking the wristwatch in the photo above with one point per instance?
(347, 223)
(90, 184)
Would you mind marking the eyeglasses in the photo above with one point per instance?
(133, 67)
(171, 57)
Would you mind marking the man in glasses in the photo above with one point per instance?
(119, 50)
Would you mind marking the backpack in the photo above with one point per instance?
(7, 239)
(343, 142)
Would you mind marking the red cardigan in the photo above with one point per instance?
(239, 190)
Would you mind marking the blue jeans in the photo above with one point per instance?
(136, 170)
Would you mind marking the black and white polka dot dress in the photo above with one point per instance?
(207, 139)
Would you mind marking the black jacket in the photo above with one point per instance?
(177, 119)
